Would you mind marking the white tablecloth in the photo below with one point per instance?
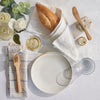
(86, 87)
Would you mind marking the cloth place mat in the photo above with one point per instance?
(12, 50)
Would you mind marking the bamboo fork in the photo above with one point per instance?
(17, 63)
(77, 17)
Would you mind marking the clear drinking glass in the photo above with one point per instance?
(84, 67)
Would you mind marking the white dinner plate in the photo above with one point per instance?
(45, 69)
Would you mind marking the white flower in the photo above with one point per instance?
(20, 24)
(11, 23)
(5, 32)
(4, 16)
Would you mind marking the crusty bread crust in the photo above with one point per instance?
(47, 17)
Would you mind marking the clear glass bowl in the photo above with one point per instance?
(84, 67)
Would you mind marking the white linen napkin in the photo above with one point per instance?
(12, 50)
(66, 44)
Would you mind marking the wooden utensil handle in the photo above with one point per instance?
(18, 80)
(87, 33)
(76, 15)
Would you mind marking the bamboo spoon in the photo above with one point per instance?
(77, 17)
(17, 63)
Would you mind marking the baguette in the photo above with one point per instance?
(47, 17)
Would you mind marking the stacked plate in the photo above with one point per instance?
(45, 70)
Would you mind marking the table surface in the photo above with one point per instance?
(87, 87)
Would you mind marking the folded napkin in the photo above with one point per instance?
(12, 50)
(66, 44)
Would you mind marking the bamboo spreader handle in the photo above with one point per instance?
(87, 33)
(76, 15)
(18, 80)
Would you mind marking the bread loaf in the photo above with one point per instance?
(47, 17)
